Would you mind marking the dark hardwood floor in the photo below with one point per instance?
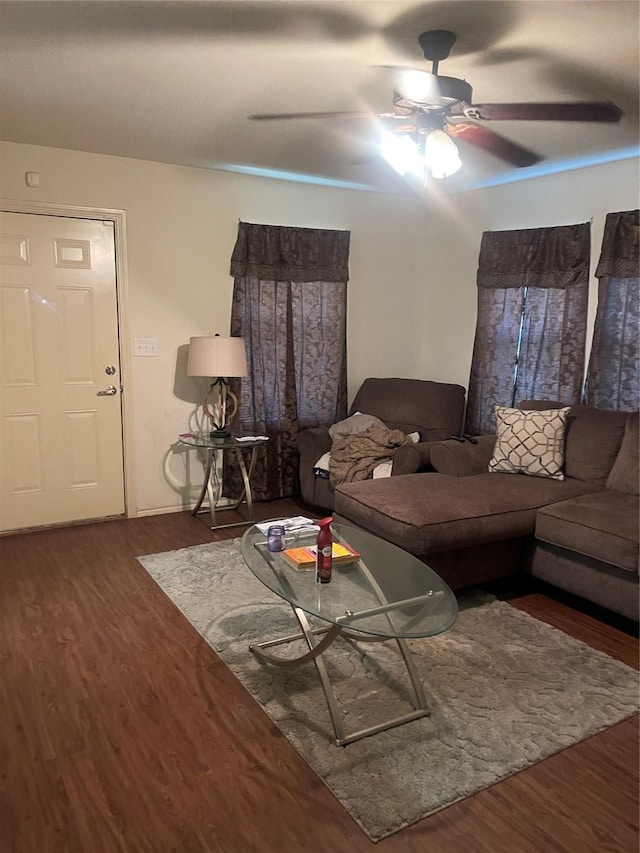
(120, 730)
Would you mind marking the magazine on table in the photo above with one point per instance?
(305, 557)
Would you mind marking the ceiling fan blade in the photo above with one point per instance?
(347, 114)
(495, 144)
(573, 111)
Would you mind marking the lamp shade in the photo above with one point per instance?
(217, 356)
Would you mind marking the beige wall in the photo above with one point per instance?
(181, 228)
(411, 309)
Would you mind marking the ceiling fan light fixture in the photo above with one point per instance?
(402, 153)
(441, 154)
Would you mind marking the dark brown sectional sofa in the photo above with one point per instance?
(433, 409)
(472, 526)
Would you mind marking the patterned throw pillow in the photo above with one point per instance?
(530, 442)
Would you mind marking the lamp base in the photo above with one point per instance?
(220, 419)
(220, 433)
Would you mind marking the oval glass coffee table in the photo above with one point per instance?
(387, 594)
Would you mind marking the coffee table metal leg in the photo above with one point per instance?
(314, 654)
(314, 650)
(421, 702)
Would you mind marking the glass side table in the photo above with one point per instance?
(212, 486)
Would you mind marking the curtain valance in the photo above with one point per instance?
(556, 257)
(620, 255)
(282, 253)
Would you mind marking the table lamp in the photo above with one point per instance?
(222, 358)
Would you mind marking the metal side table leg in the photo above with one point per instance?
(207, 488)
(246, 479)
(212, 494)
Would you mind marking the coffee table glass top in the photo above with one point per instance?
(387, 592)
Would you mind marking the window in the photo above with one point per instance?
(289, 303)
(613, 380)
(531, 324)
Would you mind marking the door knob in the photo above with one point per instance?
(111, 391)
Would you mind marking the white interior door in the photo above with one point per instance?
(61, 445)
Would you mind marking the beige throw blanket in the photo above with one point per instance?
(355, 456)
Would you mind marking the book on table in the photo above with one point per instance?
(305, 557)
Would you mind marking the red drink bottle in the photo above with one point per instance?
(324, 549)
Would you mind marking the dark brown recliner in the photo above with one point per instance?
(433, 409)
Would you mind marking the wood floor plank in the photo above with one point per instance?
(121, 730)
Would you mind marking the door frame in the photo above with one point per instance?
(118, 218)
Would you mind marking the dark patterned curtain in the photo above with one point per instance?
(494, 355)
(613, 378)
(290, 305)
(531, 324)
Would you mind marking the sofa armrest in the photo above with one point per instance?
(433, 435)
(312, 443)
(459, 459)
(411, 458)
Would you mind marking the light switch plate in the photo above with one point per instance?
(145, 346)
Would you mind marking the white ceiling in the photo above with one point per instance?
(176, 81)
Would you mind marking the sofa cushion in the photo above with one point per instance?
(425, 513)
(529, 442)
(603, 526)
(625, 474)
(434, 409)
(592, 442)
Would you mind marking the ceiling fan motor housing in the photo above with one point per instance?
(450, 90)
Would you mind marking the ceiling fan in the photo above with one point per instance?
(432, 109)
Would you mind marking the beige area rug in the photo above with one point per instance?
(505, 691)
